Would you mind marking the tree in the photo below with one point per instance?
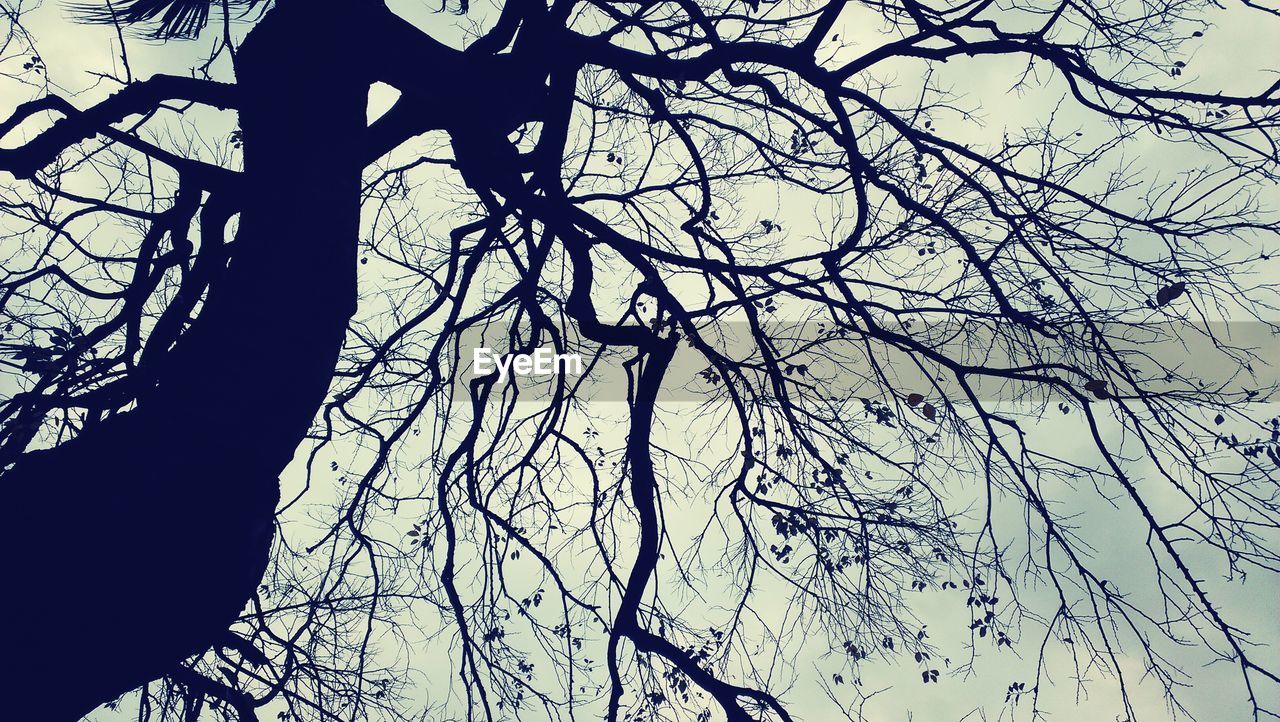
(884, 315)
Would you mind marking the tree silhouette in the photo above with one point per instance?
(860, 348)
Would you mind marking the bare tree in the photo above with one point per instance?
(863, 354)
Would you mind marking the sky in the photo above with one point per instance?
(1237, 53)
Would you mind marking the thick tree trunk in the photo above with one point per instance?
(137, 543)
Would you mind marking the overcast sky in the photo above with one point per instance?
(1238, 54)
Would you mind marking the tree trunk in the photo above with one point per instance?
(137, 543)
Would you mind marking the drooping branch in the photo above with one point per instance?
(140, 98)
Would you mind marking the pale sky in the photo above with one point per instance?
(1237, 54)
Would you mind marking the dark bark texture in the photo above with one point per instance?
(138, 542)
